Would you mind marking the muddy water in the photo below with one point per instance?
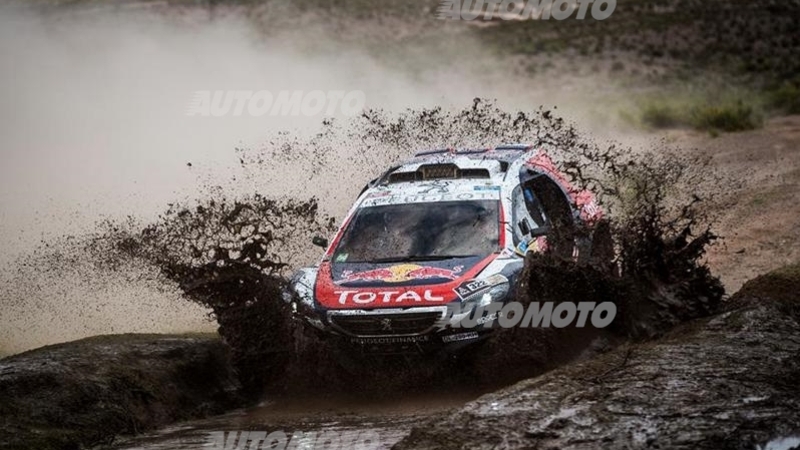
(388, 421)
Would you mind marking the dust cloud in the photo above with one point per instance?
(93, 126)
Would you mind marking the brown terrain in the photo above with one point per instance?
(726, 89)
(761, 227)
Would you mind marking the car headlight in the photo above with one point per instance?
(490, 289)
(475, 294)
(300, 290)
(499, 292)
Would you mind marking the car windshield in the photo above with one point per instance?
(421, 231)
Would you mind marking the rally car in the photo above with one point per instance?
(448, 227)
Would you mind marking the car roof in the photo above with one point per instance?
(457, 165)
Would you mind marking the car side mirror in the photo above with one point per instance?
(320, 241)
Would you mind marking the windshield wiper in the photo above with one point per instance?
(418, 258)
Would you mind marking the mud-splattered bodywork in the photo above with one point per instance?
(449, 227)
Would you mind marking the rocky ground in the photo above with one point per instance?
(84, 393)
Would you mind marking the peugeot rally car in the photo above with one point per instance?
(446, 228)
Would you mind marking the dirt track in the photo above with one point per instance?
(761, 225)
(305, 419)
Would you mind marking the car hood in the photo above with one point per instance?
(396, 284)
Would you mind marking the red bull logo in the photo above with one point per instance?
(401, 273)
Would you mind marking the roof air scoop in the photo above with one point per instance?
(438, 172)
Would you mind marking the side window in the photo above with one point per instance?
(534, 208)
(546, 200)
(519, 213)
(528, 209)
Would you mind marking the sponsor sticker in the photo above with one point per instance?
(398, 197)
(471, 287)
(401, 273)
(396, 296)
(460, 337)
(390, 340)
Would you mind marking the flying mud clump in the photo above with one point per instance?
(230, 256)
(233, 256)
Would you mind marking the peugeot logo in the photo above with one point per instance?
(386, 324)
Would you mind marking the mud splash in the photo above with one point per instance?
(663, 287)
(232, 255)
(660, 203)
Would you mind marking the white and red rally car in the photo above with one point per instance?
(448, 227)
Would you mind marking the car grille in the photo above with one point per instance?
(404, 324)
